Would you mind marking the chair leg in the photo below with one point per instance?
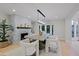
(46, 48)
(37, 49)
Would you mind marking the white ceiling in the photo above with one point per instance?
(51, 10)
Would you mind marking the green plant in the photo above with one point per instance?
(4, 28)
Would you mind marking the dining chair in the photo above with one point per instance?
(52, 43)
(30, 47)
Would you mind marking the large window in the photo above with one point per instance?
(43, 28)
(75, 29)
(72, 30)
(48, 29)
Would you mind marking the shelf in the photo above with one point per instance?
(23, 27)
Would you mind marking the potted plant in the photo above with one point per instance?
(4, 29)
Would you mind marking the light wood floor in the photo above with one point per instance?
(65, 48)
(63, 51)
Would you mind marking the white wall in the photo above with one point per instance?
(59, 28)
(68, 26)
(75, 18)
(68, 20)
(68, 29)
(2, 16)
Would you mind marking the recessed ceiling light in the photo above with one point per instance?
(13, 10)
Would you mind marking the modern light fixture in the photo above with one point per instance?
(40, 21)
(41, 13)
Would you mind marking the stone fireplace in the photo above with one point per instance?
(19, 33)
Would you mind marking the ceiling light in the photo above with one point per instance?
(41, 22)
(13, 10)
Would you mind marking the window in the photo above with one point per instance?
(77, 33)
(75, 29)
(52, 29)
(72, 30)
(48, 28)
(43, 28)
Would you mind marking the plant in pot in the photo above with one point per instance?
(4, 29)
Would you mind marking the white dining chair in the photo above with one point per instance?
(51, 43)
(30, 48)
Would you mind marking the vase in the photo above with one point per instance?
(4, 44)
